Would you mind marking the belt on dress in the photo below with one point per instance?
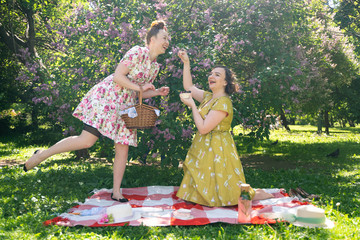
(209, 135)
(219, 131)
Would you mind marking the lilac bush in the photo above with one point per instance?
(274, 47)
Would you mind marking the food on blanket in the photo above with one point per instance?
(120, 212)
(185, 95)
(244, 206)
(260, 194)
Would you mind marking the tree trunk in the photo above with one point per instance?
(284, 120)
(351, 123)
(320, 122)
(332, 120)
(343, 123)
(15, 44)
(327, 124)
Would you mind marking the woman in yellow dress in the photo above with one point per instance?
(213, 171)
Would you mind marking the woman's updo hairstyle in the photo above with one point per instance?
(156, 26)
(230, 79)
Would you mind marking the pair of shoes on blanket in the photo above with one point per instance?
(302, 195)
(123, 200)
(25, 168)
(307, 195)
(294, 193)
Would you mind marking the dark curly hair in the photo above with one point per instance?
(230, 78)
(156, 26)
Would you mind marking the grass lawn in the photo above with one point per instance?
(298, 159)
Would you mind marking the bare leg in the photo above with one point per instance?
(84, 140)
(121, 155)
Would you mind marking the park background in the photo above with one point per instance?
(296, 62)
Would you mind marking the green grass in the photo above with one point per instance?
(299, 159)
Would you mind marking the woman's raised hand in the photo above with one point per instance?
(188, 101)
(183, 56)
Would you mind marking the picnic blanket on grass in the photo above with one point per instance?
(157, 205)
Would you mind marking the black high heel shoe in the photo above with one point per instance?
(24, 167)
(120, 199)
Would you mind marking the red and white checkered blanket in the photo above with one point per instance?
(157, 205)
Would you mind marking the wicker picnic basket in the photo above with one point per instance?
(146, 116)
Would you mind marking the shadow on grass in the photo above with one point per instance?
(290, 165)
(24, 139)
(76, 179)
(290, 155)
(31, 198)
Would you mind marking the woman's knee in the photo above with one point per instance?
(121, 148)
(88, 144)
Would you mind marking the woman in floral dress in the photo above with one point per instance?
(100, 108)
(212, 169)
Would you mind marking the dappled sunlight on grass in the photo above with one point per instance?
(305, 146)
(297, 159)
(355, 174)
(303, 154)
(278, 154)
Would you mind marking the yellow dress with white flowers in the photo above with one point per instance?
(212, 169)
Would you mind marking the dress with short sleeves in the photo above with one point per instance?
(101, 106)
(212, 168)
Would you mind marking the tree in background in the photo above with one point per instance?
(8, 95)
(26, 40)
(332, 54)
(263, 45)
(290, 56)
(347, 16)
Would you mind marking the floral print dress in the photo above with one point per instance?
(213, 172)
(101, 106)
